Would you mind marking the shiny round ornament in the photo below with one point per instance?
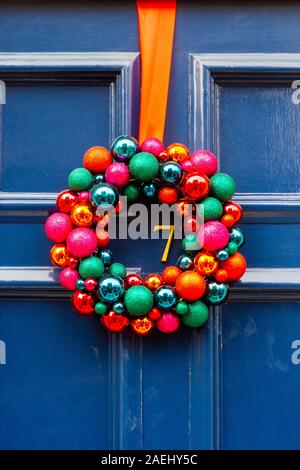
(190, 286)
(73, 262)
(84, 196)
(82, 242)
(216, 292)
(164, 156)
(153, 282)
(118, 269)
(118, 307)
(153, 145)
(195, 186)
(91, 267)
(222, 186)
(110, 288)
(80, 284)
(187, 166)
(113, 322)
(105, 196)
(185, 262)
(142, 326)
(90, 284)
(58, 226)
(138, 300)
(133, 280)
(165, 297)
(168, 195)
(124, 148)
(83, 302)
(178, 152)
(168, 323)
(170, 172)
(99, 178)
(206, 263)
(169, 275)
(59, 255)
(143, 167)
(223, 255)
(97, 159)
(66, 200)
(117, 174)
(68, 278)
(233, 209)
(82, 215)
(80, 179)
(235, 266)
(197, 315)
(106, 257)
(236, 235)
(149, 190)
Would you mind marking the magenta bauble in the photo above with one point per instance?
(215, 235)
(168, 323)
(82, 242)
(187, 166)
(117, 174)
(153, 145)
(58, 226)
(205, 162)
(68, 278)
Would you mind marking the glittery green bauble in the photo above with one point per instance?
(197, 315)
(190, 243)
(138, 300)
(232, 248)
(182, 307)
(80, 179)
(143, 167)
(212, 208)
(222, 186)
(131, 191)
(101, 308)
(91, 267)
(118, 269)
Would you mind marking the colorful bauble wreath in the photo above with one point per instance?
(181, 294)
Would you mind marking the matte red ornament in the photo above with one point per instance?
(154, 314)
(168, 195)
(83, 302)
(114, 322)
(195, 186)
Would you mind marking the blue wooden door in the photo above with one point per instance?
(71, 76)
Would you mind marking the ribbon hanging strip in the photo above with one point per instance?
(156, 30)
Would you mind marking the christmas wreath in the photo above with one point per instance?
(182, 293)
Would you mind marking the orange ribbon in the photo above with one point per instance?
(156, 31)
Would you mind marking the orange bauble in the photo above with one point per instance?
(206, 263)
(190, 286)
(235, 266)
(170, 274)
(178, 152)
(168, 195)
(142, 326)
(221, 275)
(97, 159)
(82, 215)
(59, 255)
(227, 220)
(153, 282)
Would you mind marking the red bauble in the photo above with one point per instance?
(154, 314)
(73, 262)
(133, 280)
(233, 209)
(195, 186)
(142, 326)
(83, 302)
(114, 322)
(66, 200)
(221, 275)
(168, 195)
(227, 220)
(90, 284)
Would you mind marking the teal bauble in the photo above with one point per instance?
(80, 179)
(211, 208)
(111, 288)
(80, 284)
(149, 189)
(101, 308)
(223, 255)
(165, 297)
(143, 167)
(99, 178)
(185, 262)
(216, 292)
(118, 307)
(131, 191)
(118, 269)
(222, 186)
(197, 314)
(232, 248)
(91, 267)
(105, 196)
(182, 308)
(138, 300)
(171, 173)
(106, 257)
(123, 148)
(190, 243)
(236, 235)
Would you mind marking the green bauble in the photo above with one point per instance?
(212, 208)
(80, 179)
(222, 186)
(190, 243)
(182, 308)
(91, 267)
(131, 191)
(197, 315)
(118, 269)
(232, 248)
(138, 300)
(143, 167)
(101, 308)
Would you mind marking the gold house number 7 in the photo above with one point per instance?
(157, 228)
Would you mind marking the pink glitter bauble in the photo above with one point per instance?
(168, 323)
(58, 226)
(187, 166)
(215, 235)
(117, 174)
(153, 145)
(82, 242)
(205, 162)
(68, 278)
